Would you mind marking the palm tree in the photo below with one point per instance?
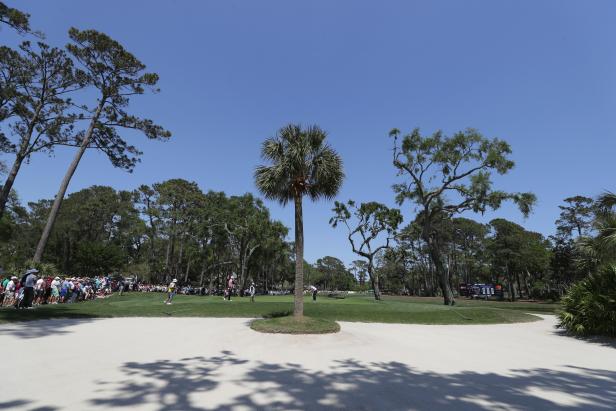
(600, 249)
(300, 164)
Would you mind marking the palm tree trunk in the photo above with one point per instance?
(55, 208)
(298, 308)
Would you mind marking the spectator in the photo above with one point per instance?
(55, 290)
(9, 291)
(39, 291)
(29, 283)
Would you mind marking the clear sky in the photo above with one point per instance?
(539, 74)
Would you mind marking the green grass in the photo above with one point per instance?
(291, 325)
(408, 310)
(526, 306)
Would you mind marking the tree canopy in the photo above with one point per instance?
(14, 18)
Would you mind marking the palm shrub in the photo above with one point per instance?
(45, 269)
(589, 307)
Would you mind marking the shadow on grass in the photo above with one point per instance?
(278, 314)
(188, 384)
(36, 323)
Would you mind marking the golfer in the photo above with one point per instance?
(171, 291)
(314, 292)
(230, 286)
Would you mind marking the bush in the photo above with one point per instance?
(340, 295)
(589, 307)
(45, 269)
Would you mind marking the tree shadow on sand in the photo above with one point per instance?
(168, 384)
(354, 385)
(14, 404)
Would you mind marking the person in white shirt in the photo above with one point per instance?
(55, 290)
(39, 291)
(9, 292)
(314, 292)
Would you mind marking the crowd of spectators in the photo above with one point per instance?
(32, 290)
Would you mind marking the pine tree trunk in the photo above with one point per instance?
(187, 271)
(178, 264)
(511, 285)
(55, 208)
(517, 278)
(10, 180)
(203, 267)
(19, 158)
(298, 308)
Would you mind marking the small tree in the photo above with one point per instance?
(448, 176)
(176, 203)
(117, 75)
(301, 164)
(370, 221)
(246, 222)
(575, 216)
(360, 270)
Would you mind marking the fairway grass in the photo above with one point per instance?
(356, 308)
(292, 325)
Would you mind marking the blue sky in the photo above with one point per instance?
(539, 74)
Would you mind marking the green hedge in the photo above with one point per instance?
(589, 307)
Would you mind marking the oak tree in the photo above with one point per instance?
(446, 176)
(366, 224)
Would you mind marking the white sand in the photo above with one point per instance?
(220, 364)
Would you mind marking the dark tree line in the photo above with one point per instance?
(526, 263)
(169, 229)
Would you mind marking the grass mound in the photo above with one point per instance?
(292, 325)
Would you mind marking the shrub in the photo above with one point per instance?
(45, 269)
(589, 307)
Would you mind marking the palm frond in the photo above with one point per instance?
(299, 163)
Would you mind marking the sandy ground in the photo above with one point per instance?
(220, 364)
